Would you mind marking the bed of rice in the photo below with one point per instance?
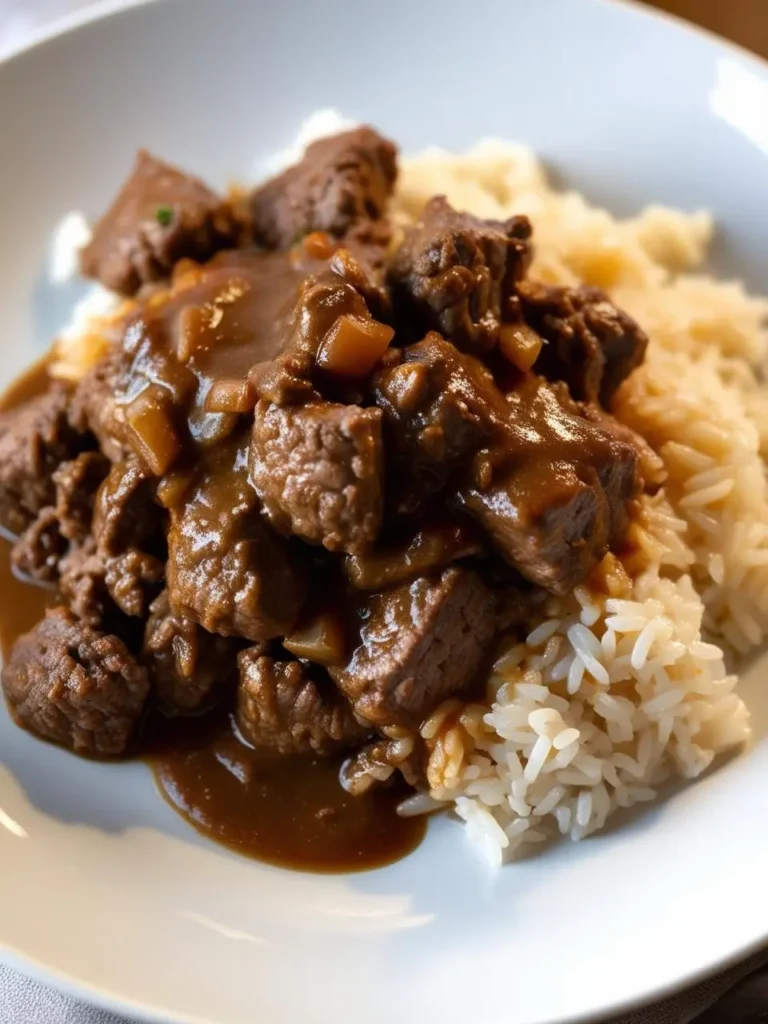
(606, 694)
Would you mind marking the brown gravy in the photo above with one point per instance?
(291, 812)
(23, 603)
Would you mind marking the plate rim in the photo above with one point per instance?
(102, 998)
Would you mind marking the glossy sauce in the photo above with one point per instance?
(292, 812)
(23, 604)
(289, 811)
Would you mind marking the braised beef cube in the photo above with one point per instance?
(589, 343)
(340, 180)
(126, 513)
(160, 215)
(189, 668)
(94, 407)
(419, 643)
(74, 685)
(128, 527)
(83, 586)
(441, 408)
(39, 550)
(35, 439)
(454, 271)
(77, 483)
(227, 568)
(562, 498)
(281, 707)
(317, 471)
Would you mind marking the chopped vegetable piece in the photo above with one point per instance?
(230, 395)
(354, 345)
(172, 488)
(520, 344)
(164, 215)
(151, 431)
(319, 245)
(320, 639)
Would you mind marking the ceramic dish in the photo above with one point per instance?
(104, 890)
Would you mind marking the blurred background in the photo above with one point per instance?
(743, 21)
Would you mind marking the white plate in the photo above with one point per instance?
(102, 887)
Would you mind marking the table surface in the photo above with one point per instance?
(745, 1002)
(743, 21)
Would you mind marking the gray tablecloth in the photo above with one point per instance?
(739, 996)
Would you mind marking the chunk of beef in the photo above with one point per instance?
(453, 272)
(317, 470)
(189, 667)
(76, 686)
(227, 569)
(340, 180)
(280, 707)
(39, 550)
(589, 343)
(419, 644)
(160, 216)
(441, 408)
(94, 407)
(128, 527)
(126, 513)
(549, 485)
(77, 483)
(83, 586)
(35, 439)
(561, 497)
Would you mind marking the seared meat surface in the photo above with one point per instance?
(589, 343)
(281, 707)
(554, 510)
(227, 569)
(190, 668)
(419, 643)
(453, 273)
(317, 469)
(34, 440)
(326, 458)
(342, 181)
(75, 685)
(160, 216)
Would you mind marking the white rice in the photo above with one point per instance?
(608, 693)
(71, 235)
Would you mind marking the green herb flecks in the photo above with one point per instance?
(164, 215)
